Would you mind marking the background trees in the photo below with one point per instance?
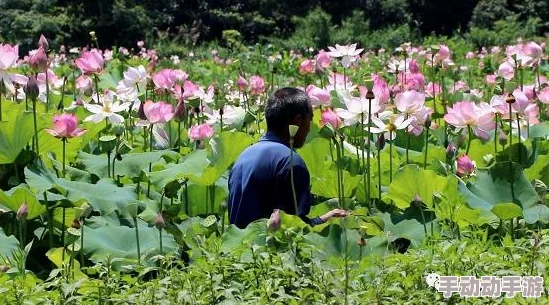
(313, 23)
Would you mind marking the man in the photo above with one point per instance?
(260, 181)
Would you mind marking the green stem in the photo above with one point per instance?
(64, 140)
(34, 110)
(292, 175)
(137, 241)
(47, 92)
(63, 236)
(109, 163)
(470, 134)
(510, 131)
(365, 181)
(390, 158)
(82, 243)
(496, 138)
(426, 147)
(368, 149)
(379, 172)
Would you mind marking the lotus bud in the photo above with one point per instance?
(43, 43)
(450, 151)
(141, 112)
(180, 112)
(159, 221)
(428, 122)
(38, 61)
(242, 83)
(465, 166)
(23, 211)
(118, 130)
(31, 88)
(273, 223)
(293, 130)
(380, 142)
(502, 138)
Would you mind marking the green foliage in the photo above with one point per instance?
(314, 30)
(505, 31)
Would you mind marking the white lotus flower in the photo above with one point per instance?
(106, 107)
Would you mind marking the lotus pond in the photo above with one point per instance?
(114, 166)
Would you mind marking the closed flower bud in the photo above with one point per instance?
(274, 221)
(180, 112)
(380, 142)
(38, 60)
(417, 200)
(465, 166)
(450, 151)
(43, 43)
(141, 112)
(31, 88)
(23, 211)
(502, 138)
(159, 221)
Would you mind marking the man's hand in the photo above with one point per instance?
(334, 213)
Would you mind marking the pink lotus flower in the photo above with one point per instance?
(413, 67)
(23, 211)
(409, 102)
(432, 88)
(91, 62)
(43, 43)
(465, 166)
(257, 85)
(8, 60)
(307, 67)
(381, 90)
(166, 79)
(328, 116)
(506, 71)
(544, 95)
(490, 79)
(242, 83)
(479, 117)
(323, 60)
(318, 96)
(200, 132)
(470, 55)
(65, 126)
(274, 221)
(38, 60)
(158, 112)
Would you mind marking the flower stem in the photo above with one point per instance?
(426, 148)
(496, 136)
(137, 241)
(35, 126)
(365, 169)
(82, 243)
(390, 158)
(47, 92)
(510, 131)
(292, 175)
(469, 133)
(64, 140)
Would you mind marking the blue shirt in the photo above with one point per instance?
(260, 182)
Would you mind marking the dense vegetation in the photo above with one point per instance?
(313, 23)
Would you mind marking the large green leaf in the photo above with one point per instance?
(504, 182)
(131, 164)
(120, 242)
(235, 238)
(200, 201)
(411, 181)
(506, 211)
(9, 244)
(15, 132)
(104, 196)
(225, 149)
(323, 172)
(333, 245)
(15, 197)
(191, 167)
(538, 212)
